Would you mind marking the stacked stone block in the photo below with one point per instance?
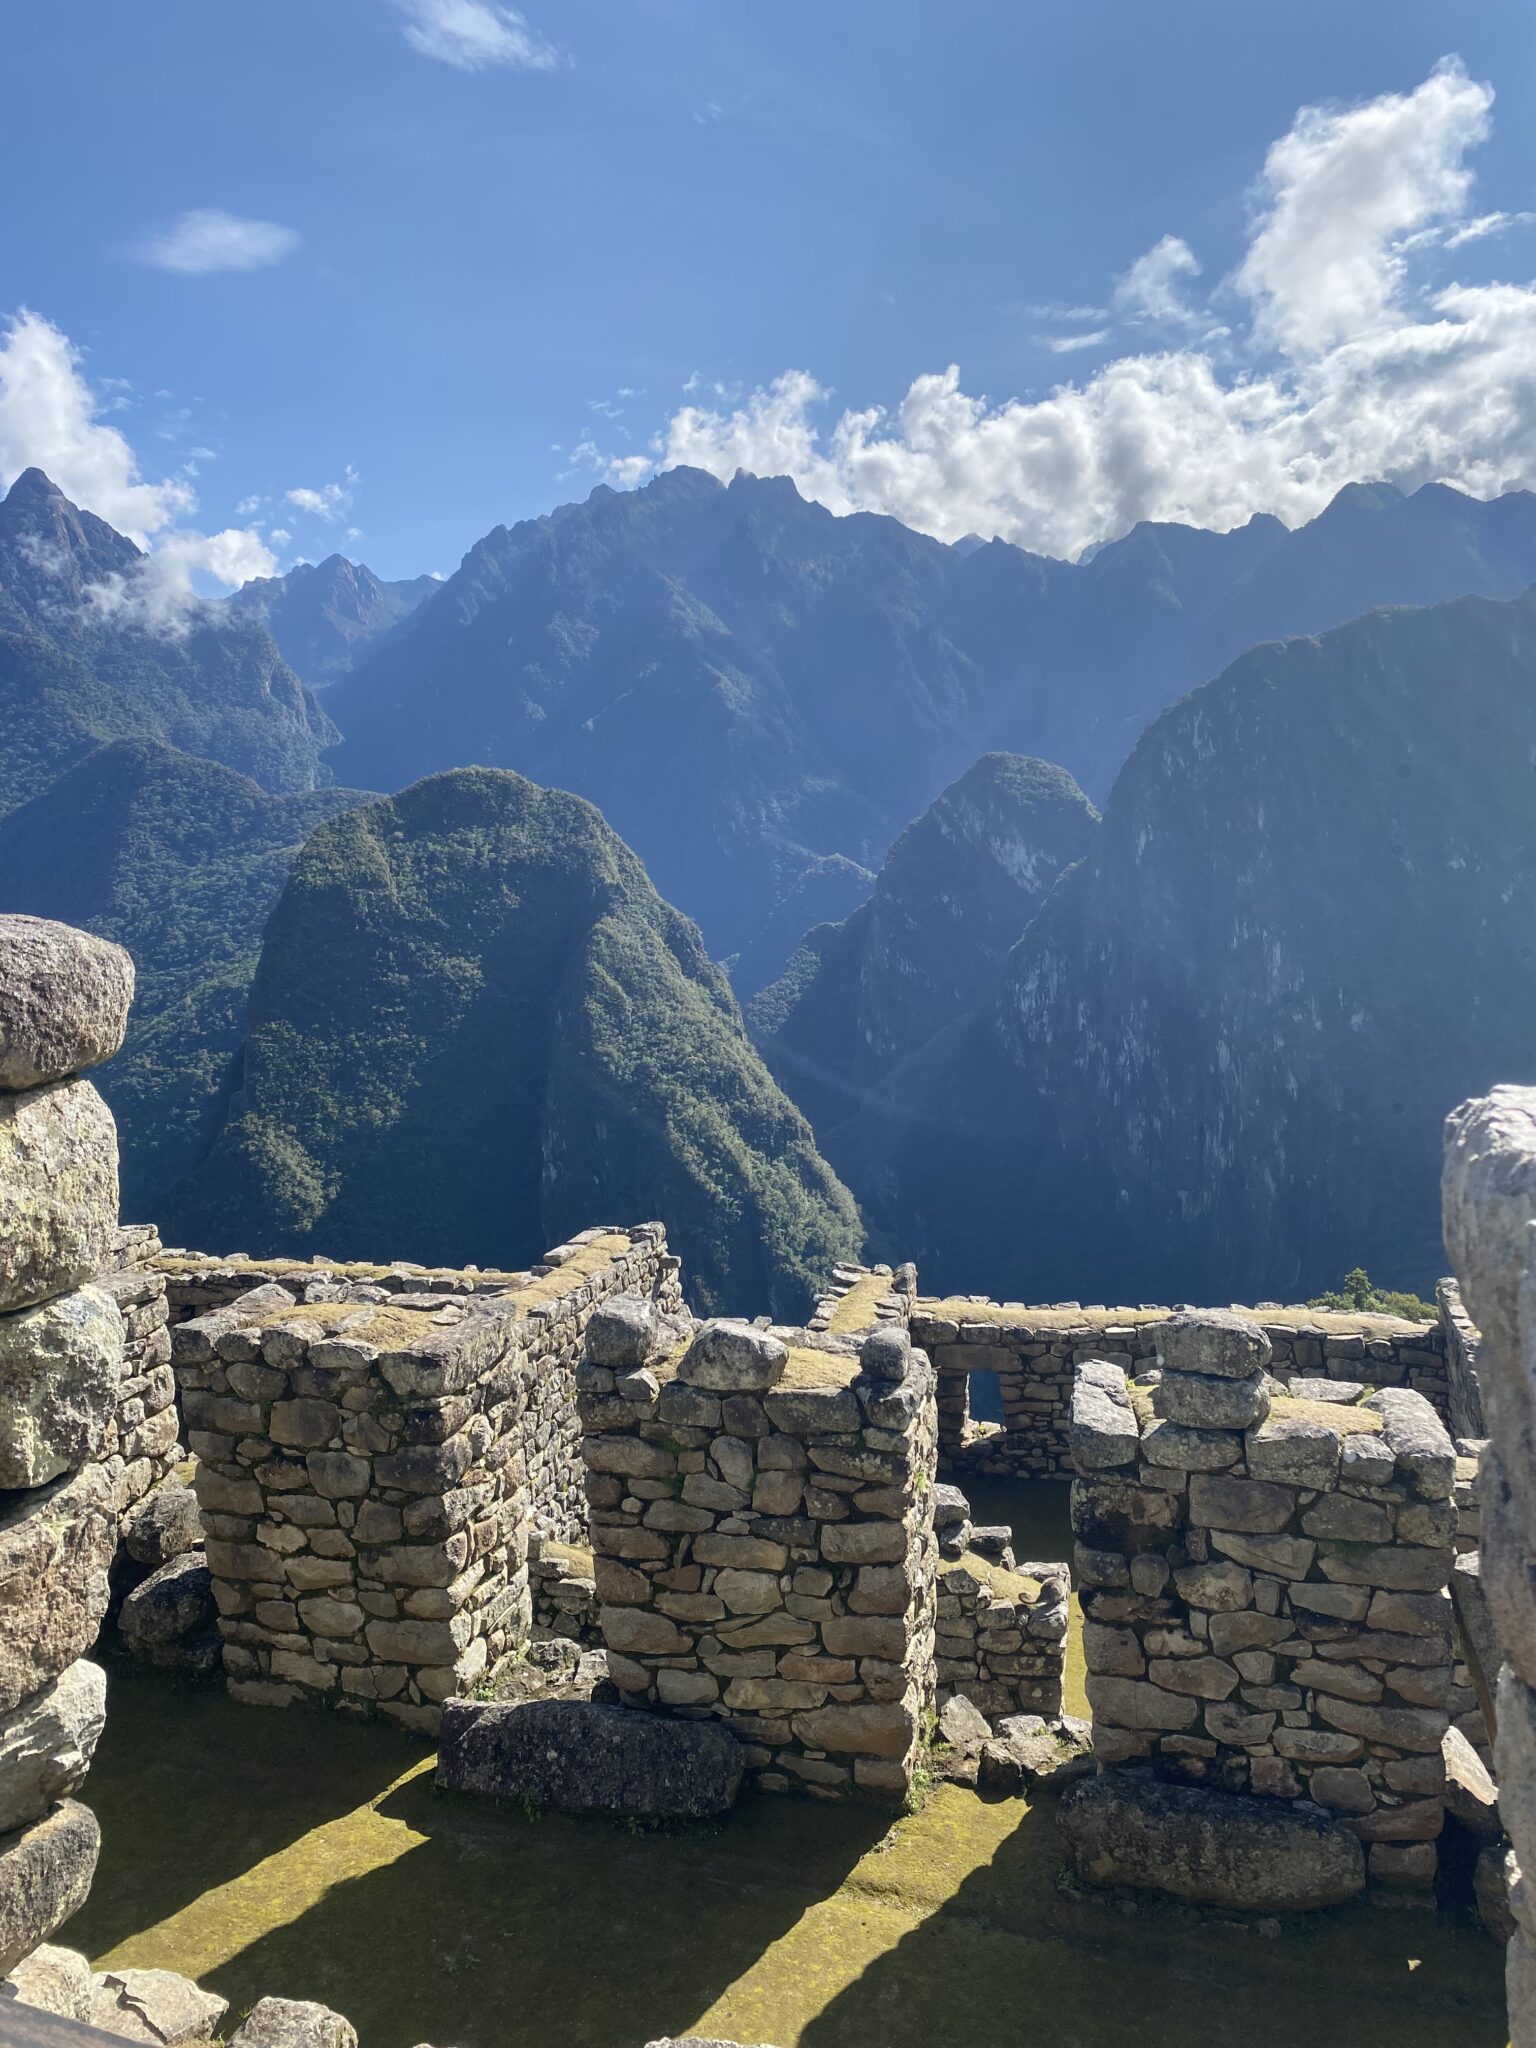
(372, 1467)
(761, 1521)
(1263, 1581)
(64, 1000)
(1461, 1339)
(1490, 1231)
(142, 1444)
(1035, 1353)
(1002, 1636)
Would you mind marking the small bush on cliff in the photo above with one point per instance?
(1359, 1297)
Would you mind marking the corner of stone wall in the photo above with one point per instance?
(1263, 1582)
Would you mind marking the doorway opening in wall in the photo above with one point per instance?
(986, 1397)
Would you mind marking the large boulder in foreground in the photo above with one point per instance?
(56, 1548)
(47, 1744)
(59, 1367)
(56, 1980)
(1209, 1848)
(58, 1191)
(64, 998)
(586, 1758)
(45, 1874)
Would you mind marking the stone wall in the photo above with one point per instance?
(197, 1282)
(374, 1461)
(142, 1444)
(1490, 1231)
(1036, 1351)
(1001, 1636)
(1263, 1582)
(761, 1516)
(64, 1000)
(1461, 1338)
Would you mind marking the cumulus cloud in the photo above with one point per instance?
(1347, 359)
(475, 35)
(330, 503)
(208, 240)
(51, 419)
(1153, 287)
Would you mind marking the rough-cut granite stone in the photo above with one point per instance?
(1210, 1848)
(293, 2023)
(584, 1758)
(56, 1548)
(733, 1358)
(165, 1525)
(1212, 1341)
(170, 1608)
(157, 2007)
(45, 1874)
(59, 1368)
(47, 1743)
(56, 1980)
(64, 998)
(621, 1332)
(58, 1191)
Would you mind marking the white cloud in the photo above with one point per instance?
(1338, 194)
(476, 35)
(1152, 289)
(1069, 344)
(50, 419)
(208, 240)
(279, 536)
(1343, 367)
(330, 503)
(1487, 224)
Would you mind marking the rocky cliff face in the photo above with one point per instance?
(953, 897)
(747, 685)
(1219, 1060)
(86, 655)
(324, 614)
(475, 1028)
(180, 861)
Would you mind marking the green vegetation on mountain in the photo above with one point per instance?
(1218, 1062)
(954, 895)
(475, 1029)
(323, 614)
(180, 860)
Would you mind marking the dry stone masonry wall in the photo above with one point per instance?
(373, 1464)
(64, 1000)
(1035, 1354)
(142, 1444)
(1490, 1231)
(761, 1519)
(1263, 1578)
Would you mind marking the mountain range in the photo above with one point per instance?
(748, 686)
(324, 614)
(93, 647)
(1217, 1061)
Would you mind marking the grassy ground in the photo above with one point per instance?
(277, 1852)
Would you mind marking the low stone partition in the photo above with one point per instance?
(197, 1283)
(1490, 1231)
(564, 1591)
(1002, 1636)
(372, 1465)
(1035, 1353)
(761, 1517)
(1263, 1581)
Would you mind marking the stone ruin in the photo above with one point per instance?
(615, 1559)
(1263, 1577)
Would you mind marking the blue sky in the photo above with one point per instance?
(495, 258)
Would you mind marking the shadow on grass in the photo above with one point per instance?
(1009, 1958)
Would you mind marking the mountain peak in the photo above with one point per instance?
(34, 486)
